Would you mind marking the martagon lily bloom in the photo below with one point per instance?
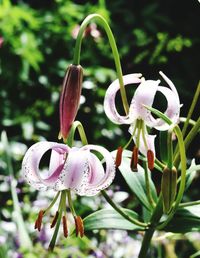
(139, 117)
(76, 169)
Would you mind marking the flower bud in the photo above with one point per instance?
(168, 188)
(70, 98)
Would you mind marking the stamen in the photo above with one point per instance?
(119, 157)
(79, 226)
(65, 229)
(53, 223)
(76, 225)
(38, 222)
(150, 159)
(134, 159)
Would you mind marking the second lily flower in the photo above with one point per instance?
(139, 117)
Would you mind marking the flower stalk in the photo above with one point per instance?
(76, 59)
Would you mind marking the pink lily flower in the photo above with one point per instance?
(139, 117)
(70, 98)
(76, 169)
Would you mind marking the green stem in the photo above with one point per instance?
(187, 204)
(79, 126)
(159, 164)
(120, 211)
(193, 132)
(138, 133)
(52, 203)
(61, 209)
(130, 140)
(71, 206)
(149, 196)
(76, 60)
(191, 121)
(194, 102)
(23, 234)
(143, 135)
(150, 231)
(187, 121)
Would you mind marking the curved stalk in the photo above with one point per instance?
(77, 125)
(76, 60)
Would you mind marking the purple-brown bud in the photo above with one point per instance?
(70, 98)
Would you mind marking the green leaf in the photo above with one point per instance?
(110, 219)
(185, 220)
(136, 182)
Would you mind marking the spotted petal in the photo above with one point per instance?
(109, 101)
(100, 180)
(31, 161)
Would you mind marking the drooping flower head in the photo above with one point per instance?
(70, 98)
(76, 169)
(139, 117)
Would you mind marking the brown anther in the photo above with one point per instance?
(76, 225)
(79, 226)
(65, 229)
(55, 218)
(119, 157)
(134, 159)
(38, 222)
(150, 159)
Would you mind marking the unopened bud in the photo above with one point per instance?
(70, 98)
(150, 159)
(134, 159)
(119, 157)
(168, 188)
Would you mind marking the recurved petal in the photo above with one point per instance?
(144, 95)
(109, 101)
(99, 180)
(171, 85)
(172, 111)
(31, 161)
